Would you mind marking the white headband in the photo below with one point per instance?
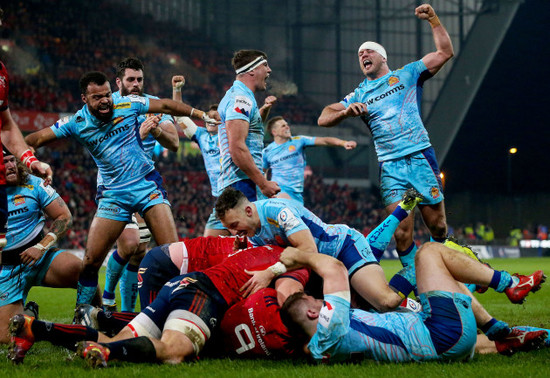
(374, 47)
(250, 66)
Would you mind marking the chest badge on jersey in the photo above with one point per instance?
(18, 200)
(117, 120)
(393, 80)
(292, 148)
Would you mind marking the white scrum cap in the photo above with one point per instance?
(369, 45)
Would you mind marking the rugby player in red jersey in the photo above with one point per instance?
(174, 327)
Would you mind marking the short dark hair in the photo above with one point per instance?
(289, 311)
(228, 200)
(130, 62)
(213, 107)
(95, 77)
(243, 57)
(271, 123)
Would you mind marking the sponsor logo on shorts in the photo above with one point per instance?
(393, 80)
(18, 200)
(434, 192)
(154, 196)
(4, 296)
(107, 209)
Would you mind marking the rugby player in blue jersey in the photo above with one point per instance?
(285, 157)
(132, 244)
(241, 133)
(207, 139)
(109, 129)
(30, 258)
(445, 329)
(389, 103)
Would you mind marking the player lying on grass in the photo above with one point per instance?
(182, 318)
(29, 257)
(188, 260)
(173, 328)
(445, 329)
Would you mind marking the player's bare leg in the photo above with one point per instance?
(101, 237)
(371, 284)
(435, 219)
(160, 221)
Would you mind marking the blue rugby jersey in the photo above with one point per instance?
(393, 105)
(281, 218)
(239, 103)
(288, 161)
(25, 203)
(210, 150)
(115, 146)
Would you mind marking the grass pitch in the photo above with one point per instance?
(45, 360)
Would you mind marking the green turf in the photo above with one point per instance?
(45, 360)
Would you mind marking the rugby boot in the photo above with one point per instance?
(31, 309)
(410, 199)
(86, 315)
(452, 243)
(526, 285)
(519, 340)
(21, 337)
(95, 354)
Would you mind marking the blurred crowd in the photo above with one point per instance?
(47, 51)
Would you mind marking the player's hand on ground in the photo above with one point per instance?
(241, 242)
(178, 81)
(260, 280)
(31, 255)
(148, 126)
(270, 189)
(424, 12)
(350, 144)
(356, 109)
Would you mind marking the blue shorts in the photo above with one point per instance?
(418, 170)
(120, 204)
(297, 196)
(214, 223)
(247, 187)
(193, 292)
(450, 320)
(154, 271)
(356, 252)
(17, 280)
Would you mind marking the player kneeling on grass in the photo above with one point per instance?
(445, 329)
(29, 258)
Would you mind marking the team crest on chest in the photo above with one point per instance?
(18, 200)
(393, 80)
(292, 148)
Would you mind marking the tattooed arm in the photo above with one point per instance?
(62, 219)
